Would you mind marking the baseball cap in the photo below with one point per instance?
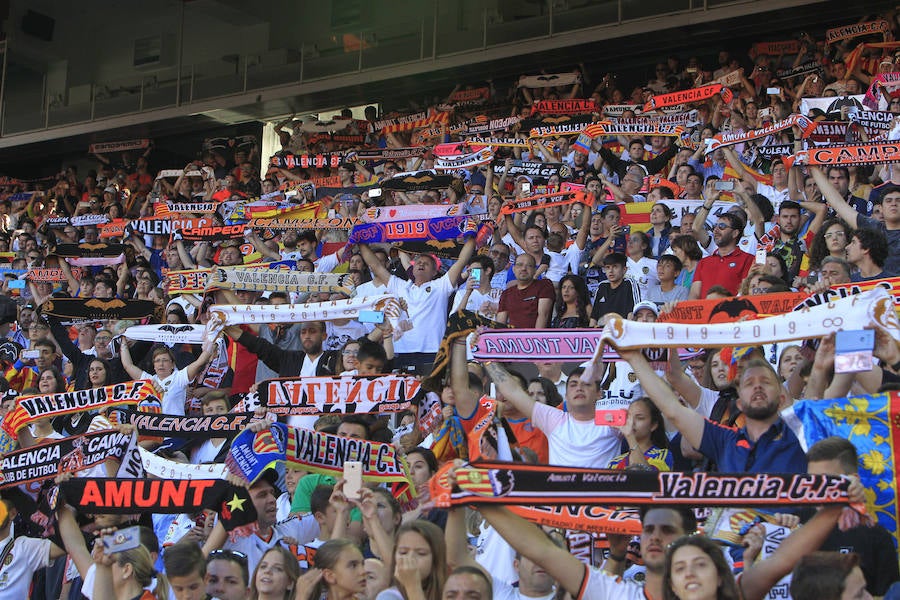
(648, 305)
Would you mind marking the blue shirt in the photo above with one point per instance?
(776, 451)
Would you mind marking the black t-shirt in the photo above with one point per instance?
(620, 300)
(877, 555)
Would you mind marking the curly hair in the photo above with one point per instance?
(818, 249)
(582, 298)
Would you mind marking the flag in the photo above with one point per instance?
(872, 424)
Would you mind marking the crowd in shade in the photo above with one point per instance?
(567, 336)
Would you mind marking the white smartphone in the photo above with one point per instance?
(352, 479)
(761, 256)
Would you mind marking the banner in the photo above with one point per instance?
(549, 80)
(516, 483)
(442, 228)
(846, 32)
(246, 314)
(416, 182)
(68, 455)
(192, 281)
(533, 168)
(867, 154)
(31, 408)
(167, 334)
(691, 96)
(278, 280)
(122, 146)
(314, 451)
(346, 394)
(103, 496)
(335, 224)
(170, 469)
(46, 274)
(872, 424)
(96, 309)
(205, 427)
(875, 122)
(723, 139)
(831, 106)
(574, 106)
(482, 93)
(591, 519)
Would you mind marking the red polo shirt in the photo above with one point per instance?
(728, 270)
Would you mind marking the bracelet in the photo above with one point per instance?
(707, 207)
(616, 558)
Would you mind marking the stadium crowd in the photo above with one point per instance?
(557, 203)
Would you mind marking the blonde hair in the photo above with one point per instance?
(142, 567)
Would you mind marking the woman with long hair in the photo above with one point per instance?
(423, 464)
(645, 434)
(696, 569)
(420, 564)
(126, 575)
(661, 227)
(572, 303)
(343, 574)
(831, 240)
(640, 265)
(275, 575)
(687, 250)
(544, 391)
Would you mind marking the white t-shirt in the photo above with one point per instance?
(27, 556)
(307, 369)
(174, 389)
(644, 272)
(562, 262)
(575, 443)
(476, 300)
(428, 306)
(302, 529)
(776, 197)
(504, 591)
(339, 335)
(597, 585)
(495, 555)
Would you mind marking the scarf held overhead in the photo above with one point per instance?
(162, 425)
(278, 280)
(246, 314)
(439, 229)
(864, 154)
(519, 483)
(700, 94)
(97, 309)
(29, 409)
(346, 394)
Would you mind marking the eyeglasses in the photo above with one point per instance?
(234, 555)
(835, 234)
(349, 352)
(723, 226)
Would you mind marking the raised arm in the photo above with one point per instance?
(834, 198)
(465, 254)
(125, 353)
(509, 387)
(685, 419)
(686, 387)
(532, 543)
(466, 402)
(380, 273)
